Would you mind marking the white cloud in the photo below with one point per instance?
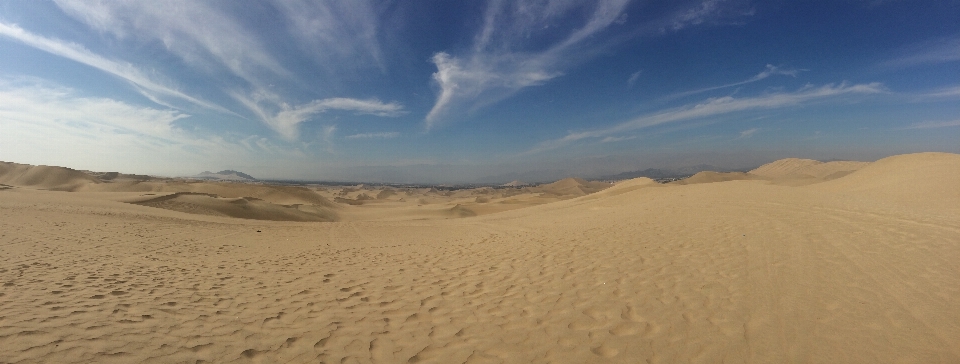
(286, 119)
(501, 61)
(946, 92)
(150, 88)
(518, 47)
(933, 124)
(327, 136)
(611, 139)
(386, 135)
(714, 107)
(696, 15)
(938, 51)
(202, 36)
(770, 70)
(59, 106)
(701, 13)
(748, 133)
(213, 40)
(633, 78)
(44, 124)
(342, 31)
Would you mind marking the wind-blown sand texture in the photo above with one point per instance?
(857, 269)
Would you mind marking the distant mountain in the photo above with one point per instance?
(227, 175)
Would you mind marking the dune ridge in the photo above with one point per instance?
(796, 168)
(47, 177)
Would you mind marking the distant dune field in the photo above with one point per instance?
(795, 261)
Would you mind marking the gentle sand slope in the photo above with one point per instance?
(736, 271)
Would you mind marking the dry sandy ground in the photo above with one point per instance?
(861, 268)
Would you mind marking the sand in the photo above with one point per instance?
(856, 269)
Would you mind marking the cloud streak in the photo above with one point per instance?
(59, 106)
(932, 125)
(633, 78)
(933, 52)
(150, 88)
(508, 53)
(203, 37)
(287, 119)
(715, 107)
(518, 47)
(748, 133)
(770, 70)
(335, 31)
(386, 135)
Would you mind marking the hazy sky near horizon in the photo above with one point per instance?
(451, 91)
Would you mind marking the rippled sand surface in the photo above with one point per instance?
(858, 269)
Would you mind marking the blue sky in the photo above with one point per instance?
(441, 91)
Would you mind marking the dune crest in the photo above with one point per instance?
(922, 178)
(712, 177)
(795, 168)
(573, 186)
(46, 177)
(243, 208)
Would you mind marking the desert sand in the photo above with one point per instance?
(795, 261)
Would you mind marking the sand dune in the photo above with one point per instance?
(46, 177)
(805, 171)
(244, 207)
(284, 195)
(858, 269)
(572, 187)
(711, 177)
(920, 179)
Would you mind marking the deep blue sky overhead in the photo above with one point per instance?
(451, 91)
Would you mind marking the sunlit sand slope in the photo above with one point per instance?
(46, 177)
(735, 271)
(794, 171)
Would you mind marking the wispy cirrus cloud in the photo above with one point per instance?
(204, 37)
(335, 31)
(770, 70)
(60, 106)
(45, 123)
(518, 46)
(509, 53)
(944, 93)
(147, 86)
(612, 139)
(213, 40)
(714, 107)
(633, 78)
(286, 119)
(932, 125)
(748, 133)
(700, 13)
(937, 51)
(386, 135)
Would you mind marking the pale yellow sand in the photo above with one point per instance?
(859, 269)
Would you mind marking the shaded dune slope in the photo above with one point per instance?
(244, 207)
